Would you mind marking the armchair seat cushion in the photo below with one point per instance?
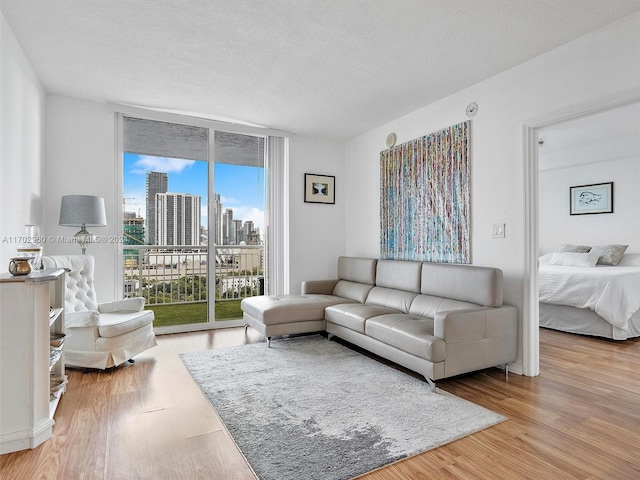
(116, 324)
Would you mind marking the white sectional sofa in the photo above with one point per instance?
(436, 319)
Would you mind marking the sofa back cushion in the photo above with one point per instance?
(352, 290)
(399, 274)
(428, 305)
(390, 297)
(359, 270)
(468, 283)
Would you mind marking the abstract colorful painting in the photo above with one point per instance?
(424, 198)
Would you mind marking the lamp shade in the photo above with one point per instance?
(82, 210)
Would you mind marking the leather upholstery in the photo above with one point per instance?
(469, 283)
(357, 292)
(359, 270)
(437, 319)
(275, 309)
(411, 333)
(354, 315)
(399, 274)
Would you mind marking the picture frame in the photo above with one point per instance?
(591, 199)
(319, 188)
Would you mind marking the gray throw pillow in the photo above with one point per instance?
(609, 254)
(567, 247)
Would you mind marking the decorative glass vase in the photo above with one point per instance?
(29, 249)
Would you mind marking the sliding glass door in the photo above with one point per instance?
(193, 211)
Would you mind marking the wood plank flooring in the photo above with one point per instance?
(580, 419)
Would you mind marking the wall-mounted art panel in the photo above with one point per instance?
(425, 198)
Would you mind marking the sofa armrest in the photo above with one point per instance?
(476, 323)
(88, 318)
(322, 287)
(135, 304)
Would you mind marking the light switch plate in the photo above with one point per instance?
(497, 231)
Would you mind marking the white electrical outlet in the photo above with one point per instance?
(497, 230)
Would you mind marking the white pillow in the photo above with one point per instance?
(545, 259)
(571, 259)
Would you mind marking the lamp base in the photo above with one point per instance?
(84, 238)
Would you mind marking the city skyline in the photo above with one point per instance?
(241, 188)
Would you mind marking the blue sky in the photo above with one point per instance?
(241, 188)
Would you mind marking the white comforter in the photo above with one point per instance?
(612, 292)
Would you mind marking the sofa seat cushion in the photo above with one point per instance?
(277, 309)
(430, 306)
(410, 333)
(354, 315)
(119, 323)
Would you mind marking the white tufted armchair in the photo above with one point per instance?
(99, 335)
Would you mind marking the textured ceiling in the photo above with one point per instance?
(609, 135)
(323, 67)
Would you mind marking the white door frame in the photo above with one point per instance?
(531, 320)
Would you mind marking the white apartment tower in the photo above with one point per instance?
(177, 219)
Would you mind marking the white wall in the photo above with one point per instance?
(598, 65)
(317, 231)
(22, 103)
(81, 159)
(620, 227)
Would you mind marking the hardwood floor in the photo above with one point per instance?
(580, 419)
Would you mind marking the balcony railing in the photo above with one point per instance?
(178, 274)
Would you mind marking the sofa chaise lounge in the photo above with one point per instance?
(436, 319)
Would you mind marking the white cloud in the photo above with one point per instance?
(227, 200)
(250, 214)
(160, 164)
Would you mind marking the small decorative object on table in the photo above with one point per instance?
(29, 248)
(20, 266)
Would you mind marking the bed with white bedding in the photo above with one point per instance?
(599, 300)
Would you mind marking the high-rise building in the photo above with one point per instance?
(217, 218)
(133, 228)
(177, 219)
(228, 233)
(156, 183)
(248, 230)
(239, 235)
(254, 237)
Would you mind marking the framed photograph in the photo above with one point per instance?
(319, 188)
(590, 199)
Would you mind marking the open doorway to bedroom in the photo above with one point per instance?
(588, 177)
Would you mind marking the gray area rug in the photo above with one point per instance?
(308, 408)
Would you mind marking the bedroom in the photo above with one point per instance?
(593, 149)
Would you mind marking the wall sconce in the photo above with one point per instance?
(82, 211)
